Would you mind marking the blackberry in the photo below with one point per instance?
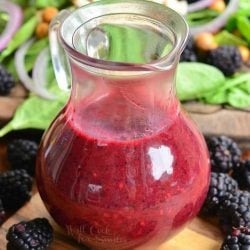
(242, 175)
(238, 239)
(221, 185)
(15, 188)
(22, 154)
(189, 53)
(234, 211)
(224, 153)
(2, 213)
(226, 58)
(7, 81)
(32, 235)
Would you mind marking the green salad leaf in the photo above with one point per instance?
(215, 97)
(245, 86)
(36, 113)
(22, 35)
(243, 25)
(130, 44)
(194, 80)
(22, 3)
(55, 3)
(28, 13)
(201, 16)
(238, 98)
(244, 5)
(229, 89)
(30, 57)
(226, 38)
(240, 20)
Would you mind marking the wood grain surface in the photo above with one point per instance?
(9, 104)
(199, 235)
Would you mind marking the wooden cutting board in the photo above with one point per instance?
(199, 235)
(9, 104)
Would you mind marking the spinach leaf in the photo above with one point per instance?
(224, 93)
(29, 13)
(147, 45)
(246, 86)
(231, 24)
(226, 38)
(194, 80)
(29, 58)
(217, 97)
(236, 80)
(36, 112)
(243, 25)
(22, 3)
(244, 5)
(239, 98)
(22, 35)
(56, 3)
(201, 16)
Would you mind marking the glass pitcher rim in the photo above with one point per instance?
(163, 63)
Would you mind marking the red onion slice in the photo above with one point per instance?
(15, 19)
(218, 22)
(39, 69)
(202, 4)
(23, 75)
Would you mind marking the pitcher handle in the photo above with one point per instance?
(59, 60)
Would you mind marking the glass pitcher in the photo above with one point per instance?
(121, 166)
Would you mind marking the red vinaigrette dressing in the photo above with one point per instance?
(123, 185)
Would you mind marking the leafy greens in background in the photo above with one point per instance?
(42, 3)
(195, 81)
(36, 112)
(22, 35)
(237, 86)
(201, 17)
(240, 20)
(226, 38)
(208, 84)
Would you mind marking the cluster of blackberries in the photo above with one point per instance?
(15, 191)
(16, 184)
(228, 196)
(226, 58)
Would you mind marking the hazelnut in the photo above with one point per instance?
(244, 51)
(205, 41)
(42, 30)
(49, 13)
(218, 5)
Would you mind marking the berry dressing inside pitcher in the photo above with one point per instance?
(122, 166)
